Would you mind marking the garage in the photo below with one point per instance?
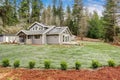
(53, 39)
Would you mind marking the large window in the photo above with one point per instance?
(37, 36)
(65, 38)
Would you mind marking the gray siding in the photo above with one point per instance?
(37, 41)
(29, 41)
(32, 40)
(53, 39)
(65, 33)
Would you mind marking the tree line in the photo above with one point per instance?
(77, 18)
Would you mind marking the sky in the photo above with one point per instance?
(92, 5)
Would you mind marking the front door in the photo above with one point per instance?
(22, 38)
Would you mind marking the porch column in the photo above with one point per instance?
(44, 39)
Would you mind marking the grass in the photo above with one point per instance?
(57, 53)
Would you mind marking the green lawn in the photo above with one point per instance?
(57, 53)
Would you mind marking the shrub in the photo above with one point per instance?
(16, 64)
(63, 65)
(31, 64)
(95, 64)
(5, 63)
(47, 64)
(77, 65)
(111, 63)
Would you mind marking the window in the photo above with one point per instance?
(65, 38)
(36, 27)
(29, 37)
(40, 28)
(33, 28)
(37, 36)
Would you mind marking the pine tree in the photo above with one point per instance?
(110, 20)
(96, 29)
(37, 6)
(7, 13)
(60, 13)
(49, 15)
(44, 16)
(84, 22)
(68, 20)
(77, 15)
(54, 10)
(15, 9)
(24, 10)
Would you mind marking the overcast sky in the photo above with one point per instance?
(92, 5)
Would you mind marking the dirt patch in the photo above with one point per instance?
(106, 73)
(116, 44)
(88, 39)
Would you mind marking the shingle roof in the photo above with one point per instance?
(32, 32)
(56, 30)
(40, 24)
(51, 30)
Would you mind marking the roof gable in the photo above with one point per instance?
(66, 31)
(31, 32)
(46, 30)
(59, 30)
(36, 23)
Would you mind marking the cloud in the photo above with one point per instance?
(98, 8)
(95, 5)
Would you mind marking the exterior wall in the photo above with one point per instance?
(29, 41)
(66, 33)
(32, 40)
(37, 41)
(52, 39)
(61, 38)
(10, 38)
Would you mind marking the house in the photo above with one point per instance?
(41, 34)
(10, 38)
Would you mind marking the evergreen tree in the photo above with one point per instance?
(49, 15)
(7, 13)
(60, 13)
(54, 10)
(68, 20)
(15, 9)
(44, 16)
(77, 15)
(96, 29)
(84, 22)
(37, 6)
(24, 9)
(110, 20)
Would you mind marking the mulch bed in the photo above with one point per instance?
(106, 73)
